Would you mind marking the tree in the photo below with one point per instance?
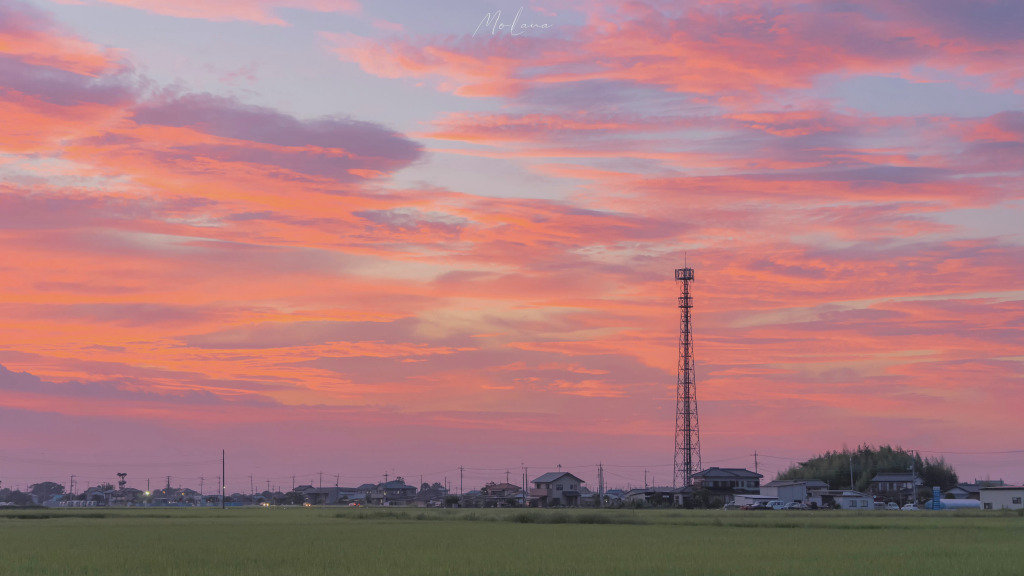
(294, 498)
(43, 491)
(867, 461)
(16, 497)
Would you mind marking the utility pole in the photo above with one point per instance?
(293, 483)
(913, 479)
(506, 475)
(168, 484)
(851, 471)
(600, 485)
(268, 485)
(202, 496)
(71, 487)
(526, 491)
(337, 480)
(755, 461)
(645, 478)
(461, 468)
(252, 491)
(223, 479)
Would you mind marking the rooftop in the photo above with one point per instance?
(728, 473)
(554, 476)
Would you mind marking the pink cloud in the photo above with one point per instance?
(258, 11)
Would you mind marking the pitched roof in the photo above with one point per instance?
(503, 487)
(554, 476)
(895, 477)
(728, 473)
(779, 483)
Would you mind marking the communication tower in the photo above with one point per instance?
(686, 461)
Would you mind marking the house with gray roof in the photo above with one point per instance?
(792, 490)
(556, 489)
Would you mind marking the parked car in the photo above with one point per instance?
(754, 506)
(731, 506)
(794, 506)
(892, 506)
(775, 504)
(910, 507)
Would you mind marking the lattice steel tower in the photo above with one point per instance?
(686, 461)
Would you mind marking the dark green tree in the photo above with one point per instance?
(43, 491)
(867, 461)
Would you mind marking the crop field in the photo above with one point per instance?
(331, 541)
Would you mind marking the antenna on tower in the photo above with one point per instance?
(686, 460)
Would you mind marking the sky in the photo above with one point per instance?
(363, 238)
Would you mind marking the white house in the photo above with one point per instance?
(843, 499)
(792, 490)
(1002, 498)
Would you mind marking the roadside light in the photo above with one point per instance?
(145, 493)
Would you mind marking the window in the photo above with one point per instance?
(988, 505)
(558, 486)
(1016, 500)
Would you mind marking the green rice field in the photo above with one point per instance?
(362, 541)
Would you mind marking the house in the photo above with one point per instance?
(430, 496)
(752, 499)
(683, 497)
(500, 495)
(970, 490)
(842, 499)
(899, 487)
(716, 486)
(556, 489)
(589, 499)
(792, 490)
(1002, 497)
(727, 479)
(613, 498)
(651, 496)
(392, 493)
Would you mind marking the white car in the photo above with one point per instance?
(892, 506)
(911, 507)
(776, 504)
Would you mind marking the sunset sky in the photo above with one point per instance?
(359, 237)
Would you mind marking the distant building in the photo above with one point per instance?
(842, 499)
(392, 493)
(657, 496)
(716, 486)
(1002, 498)
(500, 495)
(727, 480)
(430, 496)
(792, 490)
(899, 487)
(556, 489)
(971, 491)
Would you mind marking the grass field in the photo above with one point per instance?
(287, 541)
